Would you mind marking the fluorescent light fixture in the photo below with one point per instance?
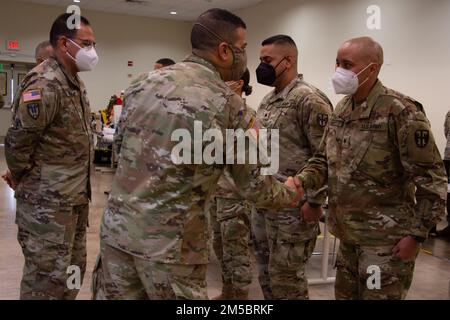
(173, 12)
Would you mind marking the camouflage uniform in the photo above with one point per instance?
(300, 112)
(261, 250)
(157, 210)
(230, 219)
(373, 157)
(447, 135)
(48, 151)
(447, 160)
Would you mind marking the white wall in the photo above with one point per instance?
(414, 35)
(120, 38)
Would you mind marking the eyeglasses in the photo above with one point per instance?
(87, 43)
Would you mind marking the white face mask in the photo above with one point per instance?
(86, 58)
(346, 82)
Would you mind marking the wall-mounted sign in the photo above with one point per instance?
(13, 45)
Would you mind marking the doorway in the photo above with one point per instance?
(11, 75)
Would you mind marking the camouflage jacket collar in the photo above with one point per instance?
(283, 94)
(365, 109)
(72, 80)
(196, 59)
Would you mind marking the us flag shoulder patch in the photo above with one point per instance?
(32, 95)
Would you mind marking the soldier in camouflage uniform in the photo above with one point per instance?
(155, 229)
(43, 51)
(386, 180)
(446, 231)
(230, 219)
(300, 112)
(48, 151)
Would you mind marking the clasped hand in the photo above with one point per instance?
(307, 212)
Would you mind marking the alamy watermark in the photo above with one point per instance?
(74, 21)
(374, 280)
(237, 147)
(73, 281)
(374, 19)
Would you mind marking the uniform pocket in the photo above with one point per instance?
(288, 254)
(48, 221)
(359, 149)
(292, 228)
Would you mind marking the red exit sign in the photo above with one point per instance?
(13, 45)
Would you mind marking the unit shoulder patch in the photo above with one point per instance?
(422, 137)
(33, 110)
(322, 119)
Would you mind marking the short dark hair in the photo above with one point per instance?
(60, 28)
(279, 39)
(246, 88)
(213, 27)
(165, 62)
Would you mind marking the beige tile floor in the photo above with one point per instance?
(431, 280)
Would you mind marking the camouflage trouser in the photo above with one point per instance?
(230, 220)
(355, 264)
(290, 244)
(45, 272)
(121, 276)
(262, 252)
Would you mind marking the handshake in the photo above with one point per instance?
(309, 213)
(8, 179)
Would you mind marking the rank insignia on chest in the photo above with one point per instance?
(322, 119)
(422, 137)
(285, 104)
(33, 110)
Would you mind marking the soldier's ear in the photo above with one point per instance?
(62, 43)
(289, 61)
(224, 51)
(374, 67)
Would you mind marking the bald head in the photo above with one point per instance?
(364, 57)
(366, 48)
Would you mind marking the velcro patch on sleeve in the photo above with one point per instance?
(32, 95)
(33, 110)
(322, 120)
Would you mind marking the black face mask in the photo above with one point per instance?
(266, 74)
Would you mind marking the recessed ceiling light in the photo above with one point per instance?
(173, 12)
(77, 1)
